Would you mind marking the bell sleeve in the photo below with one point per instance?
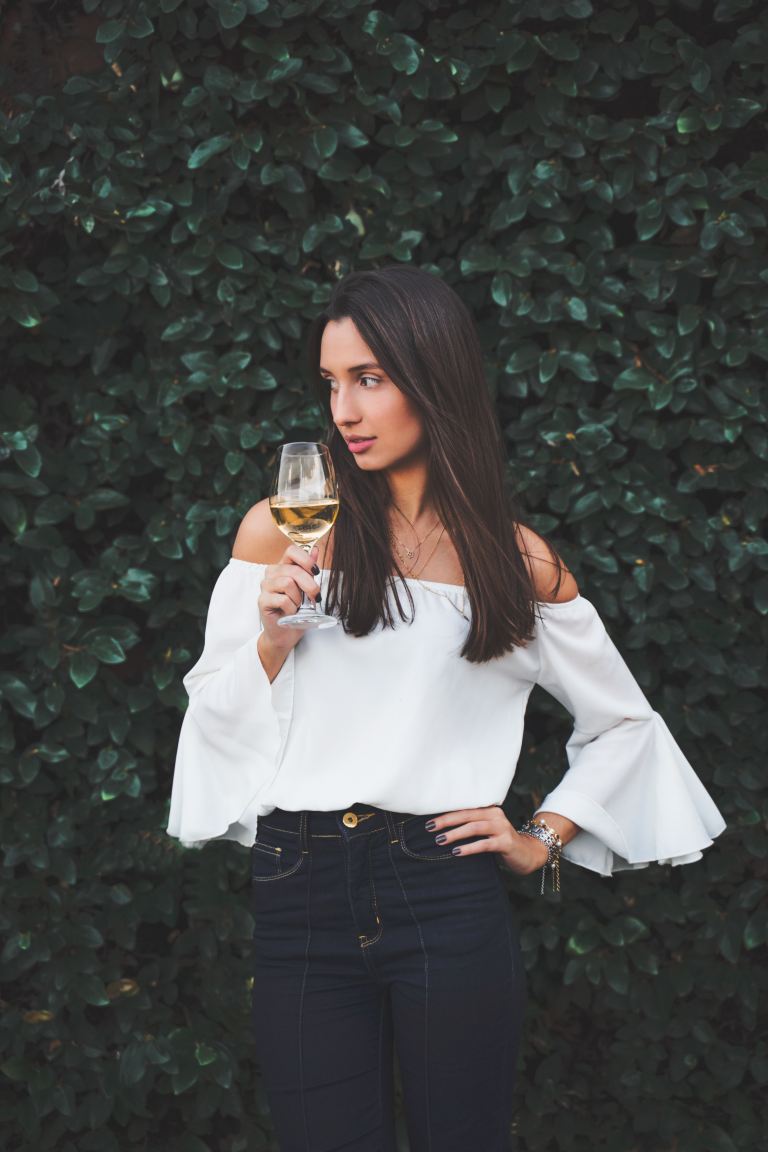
(236, 722)
(629, 787)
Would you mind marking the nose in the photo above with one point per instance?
(344, 408)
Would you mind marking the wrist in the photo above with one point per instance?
(271, 657)
(539, 853)
(538, 829)
(268, 646)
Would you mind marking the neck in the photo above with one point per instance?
(409, 491)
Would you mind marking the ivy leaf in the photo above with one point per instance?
(325, 141)
(82, 669)
(107, 649)
(204, 1054)
(231, 13)
(549, 362)
(405, 54)
(212, 147)
(351, 136)
(91, 989)
(24, 312)
(110, 31)
(18, 694)
(576, 308)
(264, 381)
(230, 256)
(600, 558)
(583, 940)
(616, 972)
(502, 288)
(133, 1062)
(25, 280)
(636, 378)
(140, 26)
(687, 319)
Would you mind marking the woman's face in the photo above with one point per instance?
(366, 403)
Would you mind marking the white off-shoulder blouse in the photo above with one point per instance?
(397, 719)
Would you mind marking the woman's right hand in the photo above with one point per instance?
(280, 595)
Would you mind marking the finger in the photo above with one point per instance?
(448, 819)
(279, 602)
(475, 847)
(473, 828)
(296, 555)
(305, 579)
(293, 579)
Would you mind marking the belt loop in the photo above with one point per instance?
(393, 837)
(303, 818)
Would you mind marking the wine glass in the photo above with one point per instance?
(304, 502)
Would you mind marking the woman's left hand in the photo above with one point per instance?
(520, 853)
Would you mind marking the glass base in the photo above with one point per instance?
(308, 620)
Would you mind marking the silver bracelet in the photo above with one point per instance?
(540, 830)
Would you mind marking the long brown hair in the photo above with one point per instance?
(422, 334)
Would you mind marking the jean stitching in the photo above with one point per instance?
(426, 1000)
(505, 1062)
(266, 848)
(345, 854)
(381, 1059)
(315, 835)
(271, 853)
(367, 943)
(415, 855)
(391, 829)
(278, 875)
(301, 1010)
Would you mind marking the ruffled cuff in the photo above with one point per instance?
(636, 798)
(229, 749)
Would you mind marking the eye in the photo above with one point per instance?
(334, 387)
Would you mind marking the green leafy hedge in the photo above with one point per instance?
(180, 185)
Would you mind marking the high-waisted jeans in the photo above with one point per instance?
(367, 932)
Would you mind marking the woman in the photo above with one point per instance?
(366, 765)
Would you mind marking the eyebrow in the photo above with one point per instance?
(355, 368)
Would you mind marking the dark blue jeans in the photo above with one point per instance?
(367, 932)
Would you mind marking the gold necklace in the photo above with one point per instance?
(411, 552)
(415, 576)
(434, 591)
(410, 567)
(445, 596)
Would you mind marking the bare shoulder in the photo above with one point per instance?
(259, 539)
(544, 568)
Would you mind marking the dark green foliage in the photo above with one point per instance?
(592, 178)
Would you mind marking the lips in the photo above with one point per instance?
(358, 439)
(357, 446)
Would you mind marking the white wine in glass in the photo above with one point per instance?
(304, 502)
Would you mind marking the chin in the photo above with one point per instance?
(368, 465)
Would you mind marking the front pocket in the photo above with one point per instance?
(275, 854)
(420, 844)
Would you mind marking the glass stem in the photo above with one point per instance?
(306, 604)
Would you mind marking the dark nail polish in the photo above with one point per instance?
(319, 600)
(430, 824)
(456, 851)
(441, 838)
(315, 570)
